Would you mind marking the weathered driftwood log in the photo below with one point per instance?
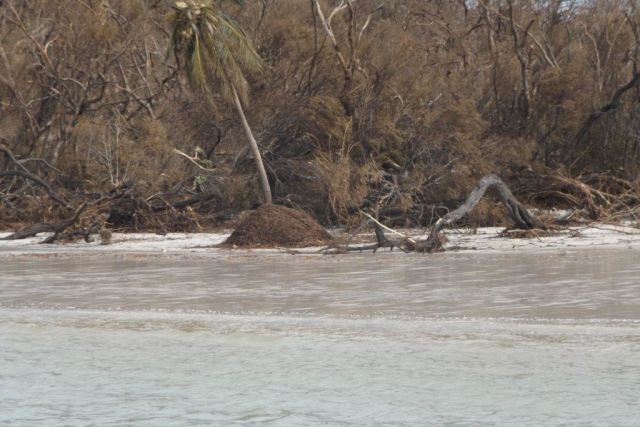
(63, 225)
(521, 217)
(59, 229)
(30, 231)
(46, 227)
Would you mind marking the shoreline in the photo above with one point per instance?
(467, 241)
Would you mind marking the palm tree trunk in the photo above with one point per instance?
(266, 189)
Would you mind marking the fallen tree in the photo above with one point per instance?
(517, 212)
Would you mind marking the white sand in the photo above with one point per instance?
(201, 244)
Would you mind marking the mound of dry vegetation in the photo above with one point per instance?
(273, 225)
(397, 107)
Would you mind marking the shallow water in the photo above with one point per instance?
(549, 338)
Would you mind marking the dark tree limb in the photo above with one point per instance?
(39, 182)
(63, 225)
(23, 172)
(613, 104)
(30, 231)
(58, 229)
(381, 240)
(46, 227)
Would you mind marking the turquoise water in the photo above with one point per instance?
(449, 339)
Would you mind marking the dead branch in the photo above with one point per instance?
(45, 227)
(195, 160)
(60, 227)
(350, 64)
(26, 174)
(39, 182)
(522, 218)
(517, 212)
(613, 104)
(379, 225)
(63, 225)
(30, 231)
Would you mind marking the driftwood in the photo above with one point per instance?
(30, 231)
(63, 225)
(521, 217)
(381, 242)
(45, 227)
(59, 229)
(519, 214)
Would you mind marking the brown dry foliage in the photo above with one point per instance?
(273, 225)
(440, 93)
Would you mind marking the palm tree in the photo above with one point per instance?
(214, 50)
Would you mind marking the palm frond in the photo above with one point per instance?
(197, 69)
(218, 50)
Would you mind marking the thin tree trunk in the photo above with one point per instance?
(264, 181)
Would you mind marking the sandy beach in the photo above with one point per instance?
(203, 244)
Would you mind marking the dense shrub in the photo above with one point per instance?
(429, 97)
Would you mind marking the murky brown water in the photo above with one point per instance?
(547, 338)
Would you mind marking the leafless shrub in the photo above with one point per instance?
(399, 107)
